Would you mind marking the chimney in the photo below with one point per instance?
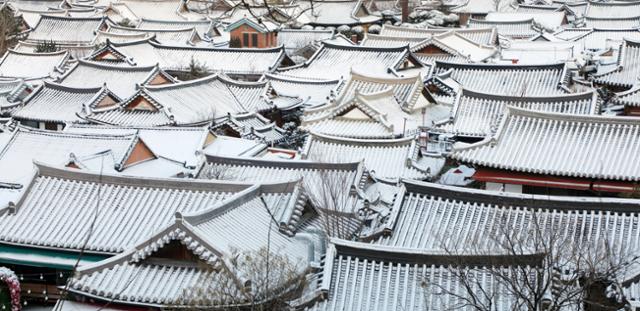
(405, 10)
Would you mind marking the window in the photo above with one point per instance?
(254, 39)
(50, 126)
(245, 39)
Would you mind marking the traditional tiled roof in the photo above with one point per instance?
(478, 114)
(486, 36)
(129, 209)
(31, 65)
(186, 103)
(12, 92)
(522, 29)
(294, 39)
(121, 80)
(455, 45)
(358, 277)
(230, 60)
(204, 27)
(627, 72)
(214, 238)
(336, 61)
(103, 36)
(55, 103)
(613, 23)
(336, 13)
(252, 126)
(615, 9)
(446, 214)
(598, 38)
(185, 36)
(523, 80)
(57, 28)
(560, 145)
(545, 20)
(540, 52)
(312, 92)
(389, 158)
(629, 98)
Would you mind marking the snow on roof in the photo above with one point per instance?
(294, 39)
(228, 60)
(517, 29)
(447, 214)
(524, 80)
(234, 147)
(630, 97)
(12, 92)
(387, 158)
(536, 52)
(602, 150)
(598, 38)
(548, 20)
(186, 103)
(614, 9)
(204, 27)
(121, 80)
(312, 92)
(252, 126)
(130, 208)
(186, 36)
(486, 36)
(26, 65)
(478, 114)
(55, 103)
(336, 61)
(628, 67)
(613, 23)
(213, 236)
(56, 28)
(336, 13)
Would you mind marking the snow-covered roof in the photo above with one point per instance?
(614, 9)
(547, 20)
(12, 92)
(121, 80)
(130, 209)
(294, 39)
(560, 145)
(540, 52)
(627, 70)
(204, 27)
(252, 125)
(186, 36)
(336, 13)
(56, 103)
(387, 158)
(523, 80)
(612, 23)
(312, 92)
(516, 29)
(27, 65)
(598, 38)
(57, 28)
(185, 103)
(213, 238)
(478, 114)
(486, 36)
(629, 98)
(229, 60)
(336, 61)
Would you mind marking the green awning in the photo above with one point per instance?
(35, 257)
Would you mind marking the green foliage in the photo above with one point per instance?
(196, 70)
(125, 22)
(46, 47)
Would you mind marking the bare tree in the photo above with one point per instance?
(332, 193)
(271, 280)
(534, 263)
(9, 28)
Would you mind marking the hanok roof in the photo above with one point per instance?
(252, 126)
(388, 158)
(57, 28)
(480, 7)
(213, 238)
(12, 92)
(31, 65)
(519, 29)
(546, 20)
(336, 61)
(121, 80)
(445, 214)
(598, 39)
(185, 36)
(294, 39)
(205, 28)
(356, 276)
(478, 114)
(131, 209)
(535, 52)
(615, 9)
(523, 80)
(613, 23)
(627, 72)
(187, 103)
(486, 36)
(231, 61)
(56, 103)
(629, 98)
(312, 92)
(336, 13)
(560, 145)
(154, 9)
